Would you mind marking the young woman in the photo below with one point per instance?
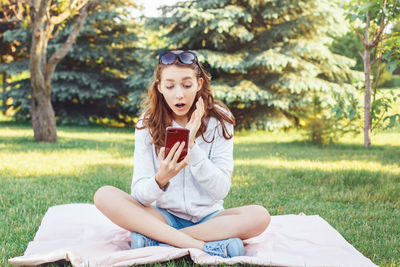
(181, 203)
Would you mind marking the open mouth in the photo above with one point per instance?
(180, 105)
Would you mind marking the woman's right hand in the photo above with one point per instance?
(169, 167)
(195, 121)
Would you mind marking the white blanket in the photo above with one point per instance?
(79, 233)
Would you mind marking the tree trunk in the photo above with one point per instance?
(3, 73)
(42, 115)
(367, 98)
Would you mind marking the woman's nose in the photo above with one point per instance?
(179, 93)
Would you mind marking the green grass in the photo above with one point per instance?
(356, 190)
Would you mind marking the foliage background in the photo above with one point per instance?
(269, 61)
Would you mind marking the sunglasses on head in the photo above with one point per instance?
(185, 57)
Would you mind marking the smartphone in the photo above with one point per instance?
(174, 135)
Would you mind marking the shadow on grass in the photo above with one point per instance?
(385, 154)
(24, 144)
(18, 125)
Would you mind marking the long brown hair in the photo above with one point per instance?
(157, 115)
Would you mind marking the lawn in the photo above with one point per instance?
(356, 190)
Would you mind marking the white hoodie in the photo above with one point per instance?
(199, 188)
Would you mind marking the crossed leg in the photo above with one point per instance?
(242, 222)
(122, 209)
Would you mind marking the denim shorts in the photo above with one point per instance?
(179, 223)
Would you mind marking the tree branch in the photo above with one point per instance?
(20, 10)
(40, 16)
(394, 6)
(63, 16)
(376, 86)
(17, 9)
(359, 35)
(375, 59)
(38, 11)
(8, 21)
(56, 33)
(366, 36)
(375, 39)
(374, 56)
(62, 52)
(378, 121)
(361, 38)
(361, 54)
(383, 26)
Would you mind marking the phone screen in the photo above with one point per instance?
(174, 135)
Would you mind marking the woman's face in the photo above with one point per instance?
(179, 86)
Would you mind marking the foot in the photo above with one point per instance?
(141, 241)
(227, 248)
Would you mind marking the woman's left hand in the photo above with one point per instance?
(195, 121)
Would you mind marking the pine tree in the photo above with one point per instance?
(268, 59)
(16, 87)
(90, 84)
(10, 49)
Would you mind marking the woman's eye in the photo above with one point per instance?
(169, 86)
(187, 85)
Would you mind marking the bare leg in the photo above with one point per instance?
(243, 222)
(123, 210)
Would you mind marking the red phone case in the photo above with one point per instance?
(174, 135)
